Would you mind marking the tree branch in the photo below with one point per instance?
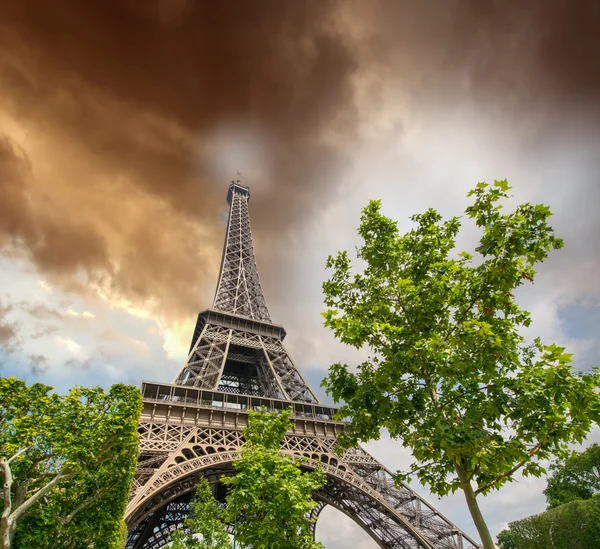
(470, 477)
(426, 466)
(8, 481)
(20, 492)
(508, 473)
(34, 462)
(18, 454)
(465, 311)
(82, 506)
(64, 474)
(449, 401)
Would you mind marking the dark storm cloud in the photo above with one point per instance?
(13, 206)
(506, 52)
(117, 106)
(119, 101)
(197, 63)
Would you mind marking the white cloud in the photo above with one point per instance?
(337, 531)
(73, 347)
(45, 286)
(115, 373)
(84, 314)
(116, 346)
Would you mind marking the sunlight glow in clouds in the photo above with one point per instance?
(73, 348)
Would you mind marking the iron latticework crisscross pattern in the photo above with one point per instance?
(235, 346)
(245, 357)
(238, 290)
(192, 428)
(187, 434)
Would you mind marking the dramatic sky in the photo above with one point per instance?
(122, 123)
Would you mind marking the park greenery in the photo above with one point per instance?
(67, 463)
(573, 515)
(573, 524)
(269, 498)
(451, 374)
(575, 478)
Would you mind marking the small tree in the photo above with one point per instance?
(577, 477)
(270, 496)
(207, 520)
(269, 499)
(451, 375)
(75, 453)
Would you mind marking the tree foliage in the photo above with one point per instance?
(207, 520)
(270, 496)
(577, 477)
(67, 464)
(451, 374)
(268, 500)
(573, 519)
(505, 540)
(574, 524)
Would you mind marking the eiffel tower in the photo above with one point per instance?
(191, 428)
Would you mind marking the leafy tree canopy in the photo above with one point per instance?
(268, 500)
(573, 525)
(577, 477)
(505, 540)
(574, 479)
(67, 463)
(451, 374)
(270, 495)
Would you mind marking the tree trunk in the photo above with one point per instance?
(482, 529)
(6, 533)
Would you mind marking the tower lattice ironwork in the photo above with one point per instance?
(191, 428)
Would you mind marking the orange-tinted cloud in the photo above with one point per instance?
(113, 111)
(511, 57)
(123, 121)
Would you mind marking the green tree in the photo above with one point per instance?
(505, 540)
(573, 525)
(451, 375)
(67, 464)
(207, 519)
(270, 496)
(577, 477)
